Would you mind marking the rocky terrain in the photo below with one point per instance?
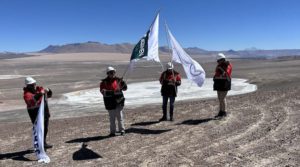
(261, 129)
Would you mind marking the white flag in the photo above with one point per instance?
(38, 135)
(147, 47)
(193, 69)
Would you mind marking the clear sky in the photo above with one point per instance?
(32, 25)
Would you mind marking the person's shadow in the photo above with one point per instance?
(84, 154)
(146, 131)
(145, 123)
(19, 156)
(88, 139)
(196, 121)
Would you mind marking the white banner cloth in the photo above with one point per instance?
(38, 135)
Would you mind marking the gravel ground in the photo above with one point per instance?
(261, 129)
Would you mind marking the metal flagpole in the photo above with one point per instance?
(125, 72)
(158, 46)
(168, 41)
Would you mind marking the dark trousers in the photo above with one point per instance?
(165, 103)
(33, 115)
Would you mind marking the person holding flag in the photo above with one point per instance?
(169, 80)
(112, 88)
(33, 96)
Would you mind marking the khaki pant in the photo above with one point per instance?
(113, 114)
(222, 100)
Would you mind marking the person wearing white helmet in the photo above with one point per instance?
(220, 56)
(32, 96)
(112, 88)
(222, 82)
(169, 80)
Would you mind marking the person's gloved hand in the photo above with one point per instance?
(48, 92)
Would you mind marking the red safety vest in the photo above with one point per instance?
(29, 97)
(223, 71)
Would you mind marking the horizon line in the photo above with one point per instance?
(214, 50)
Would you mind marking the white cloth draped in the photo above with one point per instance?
(38, 135)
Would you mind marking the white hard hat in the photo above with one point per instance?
(170, 66)
(220, 56)
(110, 69)
(29, 81)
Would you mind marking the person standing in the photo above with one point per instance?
(112, 88)
(33, 96)
(222, 82)
(169, 80)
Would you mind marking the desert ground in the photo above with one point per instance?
(262, 128)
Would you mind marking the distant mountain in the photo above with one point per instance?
(127, 48)
(164, 49)
(89, 47)
(196, 51)
(11, 55)
(259, 53)
(252, 49)
(101, 47)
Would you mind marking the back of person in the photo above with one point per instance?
(222, 82)
(222, 77)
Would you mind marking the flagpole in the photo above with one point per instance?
(154, 19)
(168, 41)
(125, 72)
(162, 66)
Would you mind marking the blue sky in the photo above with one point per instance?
(31, 25)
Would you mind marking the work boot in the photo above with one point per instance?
(111, 135)
(162, 119)
(46, 145)
(221, 114)
(171, 119)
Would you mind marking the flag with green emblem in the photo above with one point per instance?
(147, 47)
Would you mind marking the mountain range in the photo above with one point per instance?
(127, 48)
(88, 47)
(11, 55)
(91, 46)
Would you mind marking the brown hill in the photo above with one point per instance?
(89, 47)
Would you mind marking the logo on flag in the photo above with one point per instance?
(193, 69)
(147, 47)
(141, 48)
